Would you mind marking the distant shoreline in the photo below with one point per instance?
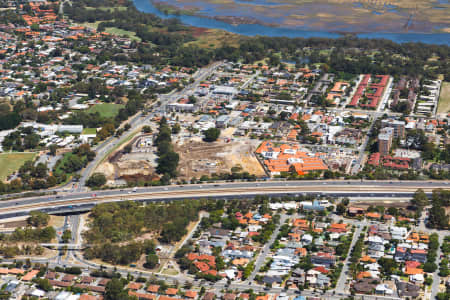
(246, 27)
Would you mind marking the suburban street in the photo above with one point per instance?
(266, 249)
(74, 258)
(341, 284)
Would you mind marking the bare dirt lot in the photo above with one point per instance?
(119, 164)
(13, 224)
(365, 204)
(199, 158)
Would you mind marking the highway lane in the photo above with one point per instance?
(318, 186)
(205, 190)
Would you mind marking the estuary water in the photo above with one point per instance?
(263, 30)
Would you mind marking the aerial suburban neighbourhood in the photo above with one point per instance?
(146, 157)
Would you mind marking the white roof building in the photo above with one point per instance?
(398, 233)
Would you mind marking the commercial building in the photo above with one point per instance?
(385, 140)
(399, 127)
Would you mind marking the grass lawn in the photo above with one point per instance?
(62, 161)
(120, 32)
(213, 38)
(108, 110)
(89, 131)
(91, 25)
(444, 99)
(11, 162)
(119, 8)
(170, 272)
(114, 30)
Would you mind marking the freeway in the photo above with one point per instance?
(337, 188)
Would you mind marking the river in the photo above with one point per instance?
(257, 29)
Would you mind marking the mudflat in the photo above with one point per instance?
(425, 16)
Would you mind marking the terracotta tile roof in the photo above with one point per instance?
(142, 295)
(30, 275)
(153, 288)
(134, 285)
(190, 294)
(171, 291)
(413, 271)
(373, 215)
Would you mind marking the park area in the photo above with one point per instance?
(89, 131)
(444, 99)
(107, 110)
(11, 162)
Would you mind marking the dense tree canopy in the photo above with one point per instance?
(211, 134)
(437, 216)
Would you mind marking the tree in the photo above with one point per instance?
(437, 216)
(9, 120)
(31, 141)
(96, 180)
(127, 149)
(114, 290)
(211, 134)
(388, 265)
(38, 219)
(176, 128)
(420, 199)
(146, 129)
(341, 208)
(164, 147)
(429, 267)
(168, 163)
(67, 236)
(52, 148)
(152, 261)
(47, 234)
(163, 135)
(73, 164)
(40, 171)
(44, 284)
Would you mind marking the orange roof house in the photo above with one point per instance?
(240, 261)
(134, 285)
(292, 136)
(171, 291)
(16, 271)
(338, 227)
(413, 271)
(30, 275)
(142, 295)
(153, 288)
(190, 294)
(301, 224)
(367, 259)
(301, 252)
(363, 274)
(373, 215)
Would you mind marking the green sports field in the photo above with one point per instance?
(11, 162)
(108, 110)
